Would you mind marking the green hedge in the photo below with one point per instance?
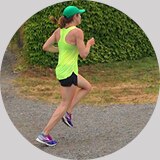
(118, 38)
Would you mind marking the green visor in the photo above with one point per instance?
(71, 11)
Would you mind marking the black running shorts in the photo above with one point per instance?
(69, 81)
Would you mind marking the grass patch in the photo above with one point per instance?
(130, 82)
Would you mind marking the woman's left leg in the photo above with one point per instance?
(67, 94)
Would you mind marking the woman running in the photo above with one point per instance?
(74, 87)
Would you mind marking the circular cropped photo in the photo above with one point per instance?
(80, 80)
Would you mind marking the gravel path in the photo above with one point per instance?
(98, 131)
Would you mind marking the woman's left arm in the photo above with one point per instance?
(48, 46)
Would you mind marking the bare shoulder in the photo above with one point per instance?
(78, 32)
(56, 33)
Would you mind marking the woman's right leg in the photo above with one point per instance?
(67, 94)
(82, 91)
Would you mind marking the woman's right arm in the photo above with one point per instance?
(48, 46)
(82, 48)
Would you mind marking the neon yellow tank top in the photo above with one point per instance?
(68, 56)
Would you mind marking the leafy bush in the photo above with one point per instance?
(118, 37)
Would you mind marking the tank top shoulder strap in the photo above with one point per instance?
(64, 32)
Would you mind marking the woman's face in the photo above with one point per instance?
(77, 19)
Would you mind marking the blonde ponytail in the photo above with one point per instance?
(53, 20)
(62, 21)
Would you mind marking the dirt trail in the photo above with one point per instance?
(98, 131)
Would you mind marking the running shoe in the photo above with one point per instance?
(67, 119)
(46, 139)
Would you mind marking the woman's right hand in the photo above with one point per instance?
(91, 42)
